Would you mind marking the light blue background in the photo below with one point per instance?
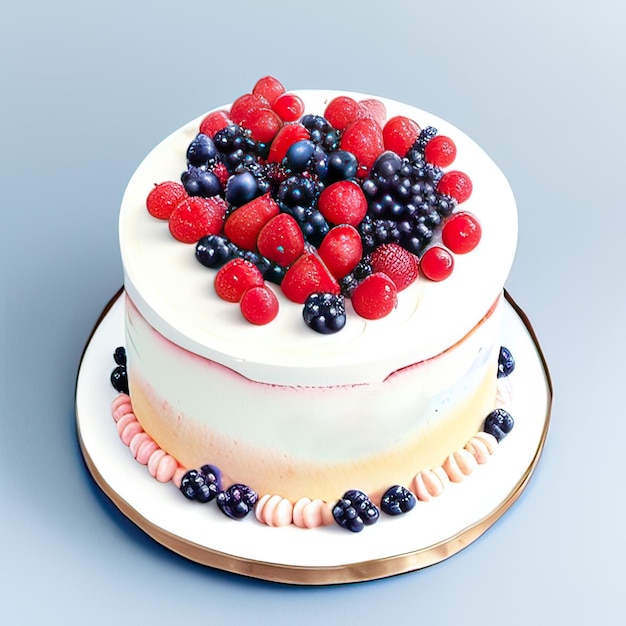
(86, 89)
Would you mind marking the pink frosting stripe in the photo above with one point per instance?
(154, 460)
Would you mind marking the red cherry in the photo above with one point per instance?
(436, 263)
(342, 111)
(399, 134)
(440, 151)
(289, 107)
(375, 297)
(461, 233)
(263, 124)
(455, 184)
(269, 88)
(259, 305)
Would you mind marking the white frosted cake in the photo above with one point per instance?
(277, 406)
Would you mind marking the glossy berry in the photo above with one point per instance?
(289, 107)
(281, 240)
(375, 297)
(506, 362)
(243, 106)
(324, 312)
(364, 138)
(119, 356)
(268, 88)
(306, 276)
(397, 500)
(201, 151)
(196, 485)
(214, 122)
(499, 423)
(440, 151)
(399, 134)
(263, 124)
(373, 109)
(342, 165)
(436, 263)
(196, 217)
(163, 198)
(343, 202)
(461, 233)
(213, 475)
(200, 182)
(354, 511)
(399, 264)
(342, 111)
(259, 305)
(119, 379)
(455, 184)
(213, 251)
(235, 278)
(287, 136)
(242, 226)
(236, 501)
(299, 155)
(341, 250)
(241, 188)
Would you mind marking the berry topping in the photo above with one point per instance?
(214, 251)
(269, 88)
(236, 501)
(263, 124)
(200, 182)
(287, 135)
(341, 250)
(196, 485)
(214, 122)
(461, 233)
(506, 362)
(343, 202)
(321, 131)
(397, 500)
(499, 423)
(259, 305)
(375, 297)
(243, 106)
(213, 475)
(436, 263)
(241, 188)
(235, 278)
(119, 356)
(196, 217)
(399, 134)
(399, 264)
(374, 109)
(288, 107)
(242, 226)
(455, 184)
(440, 151)
(281, 240)
(364, 138)
(201, 151)
(354, 511)
(342, 165)
(163, 198)
(119, 379)
(342, 111)
(324, 312)
(306, 276)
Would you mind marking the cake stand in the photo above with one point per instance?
(430, 533)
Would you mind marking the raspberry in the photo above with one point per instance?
(263, 124)
(222, 174)
(214, 122)
(281, 240)
(196, 217)
(374, 109)
(399, 264)
(289, 107)
(163, 198)
(440, 151)
(455, 184)
(461, 233)
(259, 305)
(235, 278)
(341, 250)
(286, 137)
(342, 111)
(364, 139)
(375, 297)
(343, 202)
(244, 105)
(399, 134)
(243, 225)
(306, 276)
(269, 88)
(436, 263)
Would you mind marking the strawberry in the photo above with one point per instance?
(287, 136)
(263, 124)
(375, 297)
(342, 111)
(281, 240)
(214, 122)
(440, 151)
(396, 262)
(269, 88)
(343, 202)
(341, 250)
(461, 233)
(243, 225)
(259, 305)
(244, 105)
(235, 278)
(195, 217)
(289, 107)
(399, 134)
(455, 184)
(436, 263)
(364, 138)
(373, 109)
(306, 276)
(163, 198)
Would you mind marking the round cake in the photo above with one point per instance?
(403, 381)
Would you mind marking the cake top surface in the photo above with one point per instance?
(175, 293)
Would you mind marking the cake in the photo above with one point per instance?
(402, 371)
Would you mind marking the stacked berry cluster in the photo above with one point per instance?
(344, 205)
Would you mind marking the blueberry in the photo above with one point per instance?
(325, 312)
(236, 501)
(241, 188)
(214, 251)
(195, 485)
(397, 500)
(119, 356)
(342, 165)
(119, 379)
(499, 423)
(212, 475)
(386, 166)
(299, 155)
(201, 151)
(506, 362)
(200, 182)
(354, 511)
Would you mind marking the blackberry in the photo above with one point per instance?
(321, 131)
(299, 190)
(119, 356)
(506, 362)
(324, 313)
(349, 282)
(236, 501)
(426, 134)
(354, 511)
(236, 147)
(119, 379)
(397, 500)
(215, 251)
(196, 485)
(499, 423)
(271, 271)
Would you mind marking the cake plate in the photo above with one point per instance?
(430, 533)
